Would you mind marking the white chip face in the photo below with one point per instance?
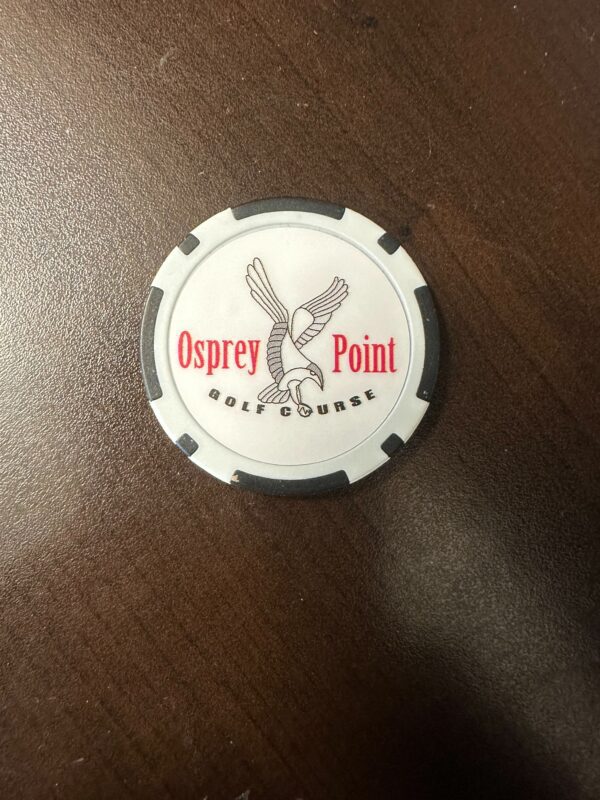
(292, 346)
(223, 338)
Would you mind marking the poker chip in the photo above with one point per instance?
(289, 346)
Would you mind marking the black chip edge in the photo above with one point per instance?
(186, 444)
(288, 204)
(189, 244)
(392, 444)
(151, 382)
(389, 243)
(275, 486)
(432, 343)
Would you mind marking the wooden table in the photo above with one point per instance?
(431, 632)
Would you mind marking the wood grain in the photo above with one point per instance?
(433, 631)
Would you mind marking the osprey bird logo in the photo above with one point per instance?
(288, 366)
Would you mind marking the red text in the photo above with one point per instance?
(215, 354)
(364, 357)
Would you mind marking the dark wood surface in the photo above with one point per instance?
(430, 633)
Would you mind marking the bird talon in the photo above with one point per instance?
(304, 410)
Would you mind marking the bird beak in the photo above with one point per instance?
(320, 380)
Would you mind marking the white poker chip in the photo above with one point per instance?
(289, 346)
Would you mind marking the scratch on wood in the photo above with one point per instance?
(169, 54)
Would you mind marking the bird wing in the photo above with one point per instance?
(262, 291)
(310, 319)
